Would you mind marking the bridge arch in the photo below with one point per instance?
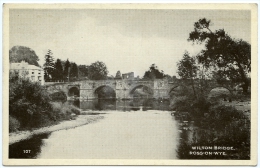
(173, 88)
(146, 87)
(111, 93)
(74, 91)
(219, 86)
(221, 92)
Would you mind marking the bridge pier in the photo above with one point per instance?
(123, 94)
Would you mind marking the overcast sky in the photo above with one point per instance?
(125, 40)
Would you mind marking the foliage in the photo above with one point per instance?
(58, 70)
(66, 70)
(180, 103)
(58, 96)
(48, 66)
(30, 105)
(14, 124)
(187, 69)
(200, 106)
(97, 71)
(83, 71)
(153, 73)
(27, 100)
(64, 109)
(224, 114)
(20, 53)
(73, 71)
(231, 56)
(118, 75)
(225, 126)
(220, 77)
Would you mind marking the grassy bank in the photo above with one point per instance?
(58, 112)
(215, 122)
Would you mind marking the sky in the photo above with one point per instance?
(129, 40)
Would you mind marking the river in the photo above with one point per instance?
(140, 129)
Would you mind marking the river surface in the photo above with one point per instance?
(140, 129)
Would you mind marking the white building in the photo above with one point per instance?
(34, 73)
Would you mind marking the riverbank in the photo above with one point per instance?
(80, 120)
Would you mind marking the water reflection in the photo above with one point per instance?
(122, 105)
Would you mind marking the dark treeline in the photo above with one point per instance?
(63, 71)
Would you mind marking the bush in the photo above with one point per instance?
(200, 106)
(65, 110)
(27, 100)
(181, 104)
(75, 110)
(58, 96)
(224, 114)
(14, 124)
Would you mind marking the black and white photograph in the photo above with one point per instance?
(162, 84)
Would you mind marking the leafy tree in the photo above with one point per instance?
(153, 73)
(118, 75)
(73, 71)
(48, 66)
(66, 70)
(187, 69)
(83, 71)
(220, 77)
(97, 71)
(231, 56)
(58, 70)
(20, 53)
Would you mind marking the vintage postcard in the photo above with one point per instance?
(130, 84)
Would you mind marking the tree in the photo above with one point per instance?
(58, 70)
(48, 66)
(28, 101)
(66, 70)
(73, 71)
(187, 69)
(231, 56)
(97, 71)
(21, 53)
(83, 71)
(118, 75)
(153, 73)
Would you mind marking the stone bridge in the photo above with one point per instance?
(123, 88)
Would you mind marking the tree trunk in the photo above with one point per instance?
(244, 78)
(193, 88)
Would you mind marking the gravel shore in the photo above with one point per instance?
(80, 120)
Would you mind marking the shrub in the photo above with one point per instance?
(64, 110)
(181, 104)
(75, 110)
(27, 100)
(224, 114)
(200, 106)
(14, 124)
(58, 96)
